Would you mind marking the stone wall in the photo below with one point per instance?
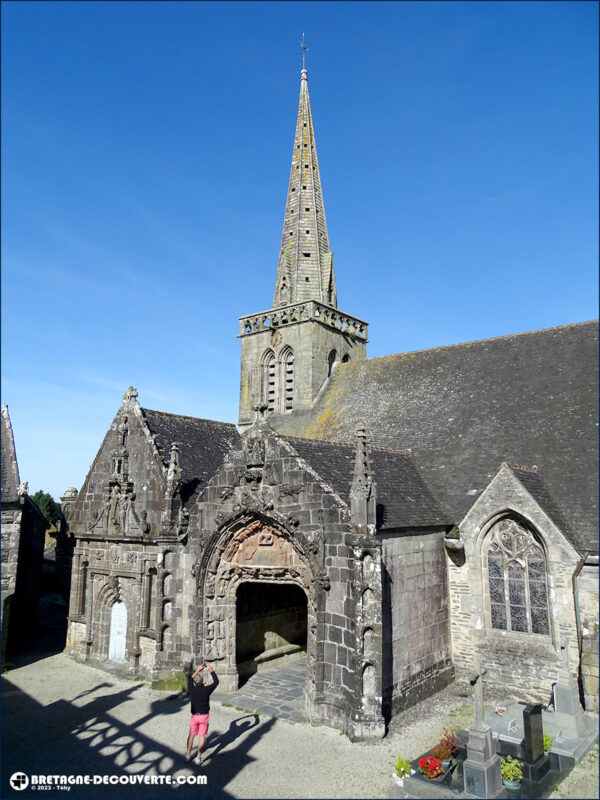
(11, 532)
(525, 664)
(23, 533)
(416, 630)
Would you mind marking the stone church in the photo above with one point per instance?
(389, 517)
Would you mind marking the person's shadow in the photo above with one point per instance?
(238, 726)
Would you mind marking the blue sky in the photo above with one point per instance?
(145, 159)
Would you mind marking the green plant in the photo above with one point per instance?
(547, 743)
(402, 767)
(511, 768)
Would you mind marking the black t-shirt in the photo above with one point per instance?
(200, 695)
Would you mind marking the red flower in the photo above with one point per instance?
(430, 766)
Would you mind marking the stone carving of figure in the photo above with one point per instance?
(124, 504)
(113, 509)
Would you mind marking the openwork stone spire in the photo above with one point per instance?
(362, 490)
(305, 270)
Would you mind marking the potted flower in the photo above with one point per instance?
(446, 748)
(547, 744)
(511, 772)
(431, 767)
(450, 740)
(403, 770)
(443, 752)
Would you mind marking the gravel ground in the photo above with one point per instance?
(60, 717)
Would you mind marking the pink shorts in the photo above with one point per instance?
(199, 724)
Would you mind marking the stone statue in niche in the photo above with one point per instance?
(271, 473)
(124, 505)
(113, 505)
(145, 525)
(255, 452)
(123, 432)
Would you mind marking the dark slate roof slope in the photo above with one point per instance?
(204, 444)
(535, 486)
(10, 467)
(529, 398)
(403, 499)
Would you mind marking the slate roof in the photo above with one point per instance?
(535, 486)
(403, 499)
(204, 444)
(10, 468)
(529, 398)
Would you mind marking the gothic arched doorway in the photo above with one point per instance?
(254, 573)
(271, 625)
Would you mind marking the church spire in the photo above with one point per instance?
(305, 270)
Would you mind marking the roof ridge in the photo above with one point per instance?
(533, 469)
(477, 341)
(186, 416)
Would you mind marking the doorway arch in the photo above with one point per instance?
(259, 552)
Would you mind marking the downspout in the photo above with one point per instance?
(576, 574)
(591, 561)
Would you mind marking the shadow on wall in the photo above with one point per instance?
(66, 739)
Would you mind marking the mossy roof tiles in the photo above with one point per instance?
(529, 398)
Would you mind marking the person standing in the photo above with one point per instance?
(200, 691)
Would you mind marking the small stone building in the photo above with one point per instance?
(390, 517)
(23, 531)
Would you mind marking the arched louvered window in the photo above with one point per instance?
(516, 566)
(269, 388)
(331, 362)
(287, 362)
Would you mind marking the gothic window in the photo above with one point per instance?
(288, 378)
(346, 359)
(269, 387)
(517, 579)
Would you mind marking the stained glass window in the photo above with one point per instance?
(517, 579)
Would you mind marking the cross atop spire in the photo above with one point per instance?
(305, 270)
(304, 49)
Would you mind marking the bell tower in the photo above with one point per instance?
(289, 351)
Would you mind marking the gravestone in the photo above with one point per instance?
(568, 713)
(536, 765)
(534, 732)
(481, 769)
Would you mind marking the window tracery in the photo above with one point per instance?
(517, 579)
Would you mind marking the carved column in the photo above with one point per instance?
(74, 604)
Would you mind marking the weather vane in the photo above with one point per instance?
(304, 49)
